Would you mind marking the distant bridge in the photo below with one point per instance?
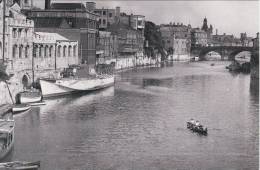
(226, 52)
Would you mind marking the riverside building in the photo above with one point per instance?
(74, 22)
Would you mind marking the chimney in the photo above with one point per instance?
(118, 11)
(90, 6)
(257, 35)
(47, 4)
(216, 31)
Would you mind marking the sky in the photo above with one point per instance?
(230, 17)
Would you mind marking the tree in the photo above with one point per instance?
(5, 77)
(154, 37)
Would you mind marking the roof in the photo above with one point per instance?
(68, 6)
(52, 36)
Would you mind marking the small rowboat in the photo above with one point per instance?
(197, 127)
(20, 165)
(20, 108)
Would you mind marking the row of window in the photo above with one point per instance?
(20, 32)
(20, 51)
(67, 51)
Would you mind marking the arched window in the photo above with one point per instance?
(40, 51)
(64, 51)
(26, 52)
(14, 33)
(74, 50)
(21, 51)
(14, 51)
(36, 51)
(59, 51)
(50, 51)
(45, 51)
(69, 52)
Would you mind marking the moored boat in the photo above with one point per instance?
(6, 136)
(31, 96)
(20, 165)
(197, 127)
(63, 86)
(20, 108)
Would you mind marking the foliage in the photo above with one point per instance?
(154, 38)
(3, 75)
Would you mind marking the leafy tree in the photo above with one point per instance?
(154, 38)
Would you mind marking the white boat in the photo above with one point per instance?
(31, 96)
(20, 108)
(50, 88)
(6, 136)
(20, 165)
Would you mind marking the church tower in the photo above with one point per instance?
(205, 25)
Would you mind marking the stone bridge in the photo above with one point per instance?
(226, 52)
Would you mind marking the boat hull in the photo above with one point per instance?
(69, 86)
(20, 108)
(29, 97)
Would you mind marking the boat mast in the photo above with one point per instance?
(3, 30)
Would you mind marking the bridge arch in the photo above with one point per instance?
(241, 55)
(212, 55)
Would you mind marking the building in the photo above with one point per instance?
(18, 43)
(106, 17)
(130, 44)
(225, 40)
(246, 41)
(53, 52)
(74, 22)
(256, 41)
(198, 38)
(107, 47)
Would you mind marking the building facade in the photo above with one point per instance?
(53, 52)
(107, 47)
(72, 21)
(198, 37)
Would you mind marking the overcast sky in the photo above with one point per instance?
(231, 17)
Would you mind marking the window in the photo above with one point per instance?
(104, 12)
(14, 33)
(26, 51)
(45, 51)
(64, 51)
(110, 15)
(40, 51)
(69, 52)
(50, 51)
(20, 51)
(74, 50)
(26, 1)
(14, 51)
(104, 21)
(59, 51)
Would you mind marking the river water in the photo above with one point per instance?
(140, 124)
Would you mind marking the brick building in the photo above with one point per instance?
(107, 47)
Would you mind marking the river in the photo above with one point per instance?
(142, 126)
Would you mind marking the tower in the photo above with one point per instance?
(205, 25)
